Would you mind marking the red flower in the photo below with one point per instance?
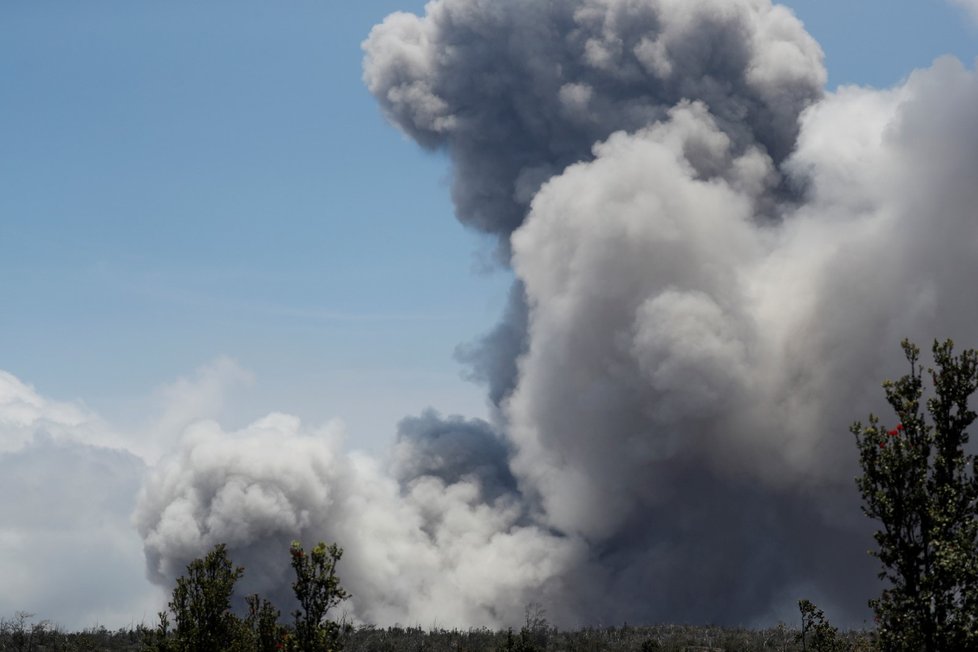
(899, 426)
(893, 433)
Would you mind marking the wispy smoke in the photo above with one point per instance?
(715, 265)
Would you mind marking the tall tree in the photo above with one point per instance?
(317, 588)
(201, 604)
(919, 483)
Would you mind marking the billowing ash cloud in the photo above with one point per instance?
(690, 375)
(687, 342)
(515, 91)
(424, 550)
(453, 450)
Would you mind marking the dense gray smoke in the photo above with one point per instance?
(453, 450)
(684, 349)
(515, 91)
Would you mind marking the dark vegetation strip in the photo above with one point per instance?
(22, 634)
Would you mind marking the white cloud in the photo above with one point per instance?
(68, 551)
(68, 487)
(188, 399)
(970, 6)
(24, 412)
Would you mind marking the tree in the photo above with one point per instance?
(817, 631)
(261, 631)
(201, 605)
(317, 588)
(24, 635)
(919, 483)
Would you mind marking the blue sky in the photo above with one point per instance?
(183, 183)
(187, 181)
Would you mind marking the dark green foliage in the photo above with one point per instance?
(205, 594)
(919, 484)
(660, 638)
(523, 642)
(261, 631)
(816, 633)
(160, 639)
(648, 645)
(24, 635)
(534, 634)
(201, 604)
(203, 620)
(317, 588)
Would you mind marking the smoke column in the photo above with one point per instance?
(715, 263)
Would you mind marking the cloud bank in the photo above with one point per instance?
(67, 545)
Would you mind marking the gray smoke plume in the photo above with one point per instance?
(515, 91)
(690, 375)
(686, 345)
(492, 359)
(453, 450)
